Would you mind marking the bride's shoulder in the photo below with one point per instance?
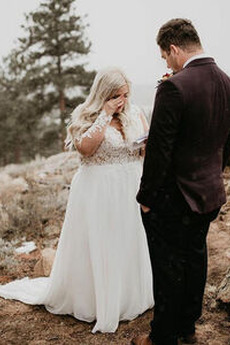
(139, 116)
(137, 112)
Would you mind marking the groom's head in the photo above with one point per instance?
(178, 41)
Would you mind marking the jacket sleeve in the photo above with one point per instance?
(165, 124)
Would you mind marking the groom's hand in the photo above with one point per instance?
(145, 209)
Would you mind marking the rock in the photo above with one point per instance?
(224, 289)
(228, 254)
(52, 230)
(44, 265)
(213, 305)
(26, 247)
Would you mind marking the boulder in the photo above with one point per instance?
(44, 265)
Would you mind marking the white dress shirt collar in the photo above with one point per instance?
(195, 57)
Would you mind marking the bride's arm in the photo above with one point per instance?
(89, 142)
(144, 122)
(146, 128)
(92, 138)
(145, 209)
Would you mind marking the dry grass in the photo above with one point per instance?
(34, 195)
(7, 259)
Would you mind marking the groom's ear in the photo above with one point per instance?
(174, 50)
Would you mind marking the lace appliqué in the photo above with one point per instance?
(113, 150)
(102, 120)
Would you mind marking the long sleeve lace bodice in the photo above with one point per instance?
(114, 149)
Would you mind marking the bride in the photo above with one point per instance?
(102, 268)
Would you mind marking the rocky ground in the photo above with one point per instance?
(24, 217)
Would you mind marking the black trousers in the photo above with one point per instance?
(177, 244)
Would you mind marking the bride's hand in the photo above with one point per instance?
(145, 209)
(142, 150)
(112, 105)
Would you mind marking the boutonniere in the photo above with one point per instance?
(164, 78)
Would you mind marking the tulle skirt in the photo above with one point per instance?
(102, 268)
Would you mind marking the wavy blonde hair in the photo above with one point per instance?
(105, 86)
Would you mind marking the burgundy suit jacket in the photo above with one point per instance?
(189, 141)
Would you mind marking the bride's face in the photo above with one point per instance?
(123, 93)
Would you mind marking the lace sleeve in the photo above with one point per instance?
(102, 120)
(92, 138)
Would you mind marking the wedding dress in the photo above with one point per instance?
(102, 268)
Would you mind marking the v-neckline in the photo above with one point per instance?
(117, 130)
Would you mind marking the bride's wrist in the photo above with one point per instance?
(103, 117)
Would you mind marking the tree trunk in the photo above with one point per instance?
(4, 160)
(62, 118)
(17, 153)
(61, 101)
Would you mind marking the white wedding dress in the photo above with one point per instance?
(102, 268)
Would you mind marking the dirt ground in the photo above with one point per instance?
(33, 325)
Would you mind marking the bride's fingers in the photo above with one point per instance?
(112, 104)
(120, 102)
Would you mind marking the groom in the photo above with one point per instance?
(182, 187)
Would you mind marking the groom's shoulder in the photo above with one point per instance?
(192, 75)
(184, 75)
(179, 80)
(198, 70)
(199, 73)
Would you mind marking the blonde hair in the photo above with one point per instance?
(105, 85)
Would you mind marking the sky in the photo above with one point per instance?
(123, 32)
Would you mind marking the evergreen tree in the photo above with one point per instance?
(50, 61)
(18, 122)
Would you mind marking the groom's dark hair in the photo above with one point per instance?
(179, 32)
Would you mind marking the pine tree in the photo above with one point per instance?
(50, 59)
(19, 118)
